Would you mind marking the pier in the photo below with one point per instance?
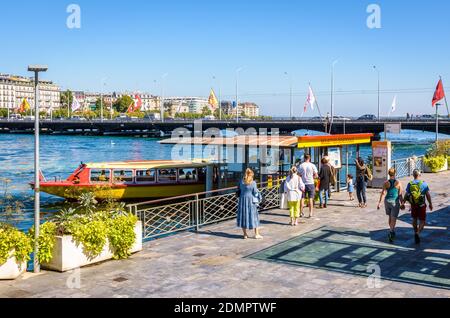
(155, 128)
(330, 255)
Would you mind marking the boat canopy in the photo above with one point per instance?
(149, 164)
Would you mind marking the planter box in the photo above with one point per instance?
(427, 169)
(12, 270)
(67, 255)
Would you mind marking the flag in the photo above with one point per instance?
(311, 99)
(394, 104)
(75, 104)
(212, 100)
(439, 93)
(137, 103)
(25, 106)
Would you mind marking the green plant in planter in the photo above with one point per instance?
(46, 240)
(11, 239)
(435, 163)
(92, 234)
(121, 235)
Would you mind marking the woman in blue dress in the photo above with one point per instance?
(249, 198)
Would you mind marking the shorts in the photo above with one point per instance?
(392, 210)
(351, 189)
(310, 191)
(419, 212)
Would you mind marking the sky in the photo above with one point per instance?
(189, 46)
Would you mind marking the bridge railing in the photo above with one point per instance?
(190, 212)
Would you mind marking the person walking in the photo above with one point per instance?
(308, 172)
(363, 175)
(416, 193)
(293, 187)
(392, 194)
(249, 198)
(325, 177)
(350, 187)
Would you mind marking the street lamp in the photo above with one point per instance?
(290, 94)
(103, 84)
(378, 71)
(332, 89)
(162, 96)
(220, 97)
(237, 93)
(36, 69)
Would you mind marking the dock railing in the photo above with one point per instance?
(191, 212)
(406, 167)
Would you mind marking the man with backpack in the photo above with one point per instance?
(393, 201)
(416, 192)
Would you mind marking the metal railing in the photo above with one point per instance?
(190, 212)
(405, 167)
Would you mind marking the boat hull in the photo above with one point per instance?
(72, 192)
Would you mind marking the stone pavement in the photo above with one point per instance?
(218, 263)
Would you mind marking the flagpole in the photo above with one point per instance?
(437, 122)
(445, 99)
(317, 104)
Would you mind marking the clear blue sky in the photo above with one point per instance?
(133, 43)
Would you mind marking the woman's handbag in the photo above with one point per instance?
(283, 201)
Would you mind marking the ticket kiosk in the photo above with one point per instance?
(382, 155)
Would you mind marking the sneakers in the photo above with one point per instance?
(391, 237)
(417, 238)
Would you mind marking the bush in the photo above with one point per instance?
(435, 163)
(13, 240)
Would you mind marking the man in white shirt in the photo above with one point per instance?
(309, 172)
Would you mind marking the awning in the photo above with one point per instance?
(334, 140)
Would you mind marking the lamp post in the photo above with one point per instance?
(291, 116)
(162, 96)
(332, 89)
(378, 72)
(237, 93)
(220, 97)
(437, 121)
(36, 69)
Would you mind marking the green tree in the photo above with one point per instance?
(66, 99)
(206, 111)
(121, 105)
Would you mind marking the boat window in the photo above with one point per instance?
(121, 176)
(100, 175)
(202, 174)
(148, 175)
(167, 175)
(187, 175)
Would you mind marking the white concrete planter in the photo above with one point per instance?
(427, 169)
(67, 255)
(12, 270)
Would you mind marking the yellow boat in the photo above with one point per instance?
(130, 180)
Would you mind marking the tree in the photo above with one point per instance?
(206, 111)
(121, 105)
(66, 98)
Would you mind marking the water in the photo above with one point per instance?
(63, 154)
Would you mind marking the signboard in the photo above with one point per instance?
(393, 128)
(334, 140)
(335, 157)
(382, 152)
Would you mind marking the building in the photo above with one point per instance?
(150, 103)
(196, 105)
(13, 89)
(245, 109)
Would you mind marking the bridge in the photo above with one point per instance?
(133, 127)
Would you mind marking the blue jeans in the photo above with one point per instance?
(322, 194)
(361, 187)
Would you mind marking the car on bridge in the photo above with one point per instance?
(368, 117)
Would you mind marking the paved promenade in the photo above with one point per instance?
(330, 255)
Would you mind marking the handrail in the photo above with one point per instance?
(135, 205)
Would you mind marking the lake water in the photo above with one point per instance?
(61, 155)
